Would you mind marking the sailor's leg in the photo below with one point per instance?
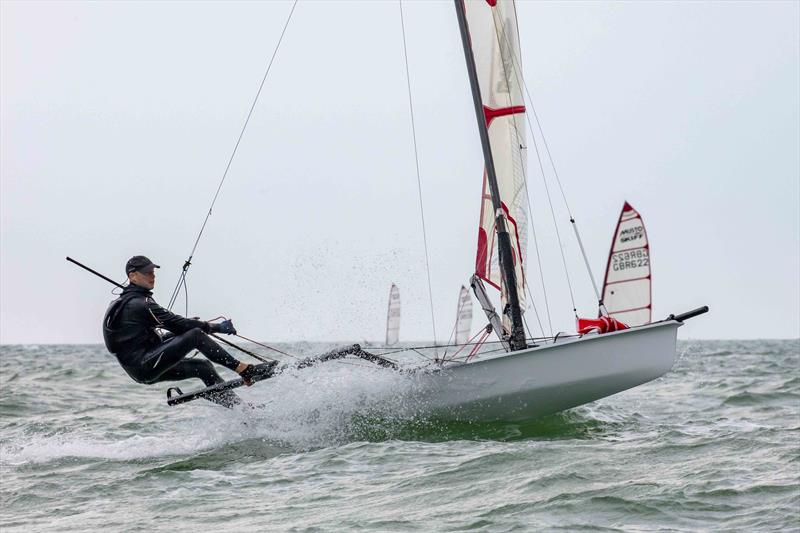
(202, 369)
(192, 368)
(212, 350)
(168, 353)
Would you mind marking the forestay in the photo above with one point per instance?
(463, 316)
(627, 287)
(393, 317)
(495, 45)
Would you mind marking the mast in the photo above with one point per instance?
(505, 257)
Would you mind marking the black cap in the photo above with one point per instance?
(139, 263)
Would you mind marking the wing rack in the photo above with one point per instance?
(175, 396)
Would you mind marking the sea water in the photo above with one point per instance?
(712, 445)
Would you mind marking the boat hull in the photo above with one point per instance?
(547, 379)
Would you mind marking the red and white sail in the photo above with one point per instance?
(495, 45)
(393, 316)
(627, 287)
(463, 316)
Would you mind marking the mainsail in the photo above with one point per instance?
(626, 291)
(393, 316)
(494, 41)
(463, 316)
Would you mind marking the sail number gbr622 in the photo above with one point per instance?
(629, 259)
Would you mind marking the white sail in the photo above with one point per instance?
(495, 45)
(463, 316)
(627, 287)
(393, 316)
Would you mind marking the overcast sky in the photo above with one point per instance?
(118, 120)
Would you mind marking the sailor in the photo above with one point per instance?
(130, 333)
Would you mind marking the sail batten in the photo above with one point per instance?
(627, 288)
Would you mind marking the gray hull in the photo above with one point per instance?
(549, 378)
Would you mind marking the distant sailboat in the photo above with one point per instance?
(393, 317)
(463, 316)
(627, 288)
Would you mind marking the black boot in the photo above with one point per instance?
(258, 372)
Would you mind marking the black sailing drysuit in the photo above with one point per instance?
(129, 331)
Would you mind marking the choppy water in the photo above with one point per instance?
(713, 445)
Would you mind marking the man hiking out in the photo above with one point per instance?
(129, 331)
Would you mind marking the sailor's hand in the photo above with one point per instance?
(226, 326)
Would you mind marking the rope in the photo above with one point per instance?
(533, 227)
(477, 346)
(521, 81)
(421, 354)
(187, 264)
(541, 273)
(267, 347)
(555, 226)
(444, 359)
(248, 352)
(419, 181)
(455, 324)
(413, 348)
(586, 260)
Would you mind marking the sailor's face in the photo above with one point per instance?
(144, 279)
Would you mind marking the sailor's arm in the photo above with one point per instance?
(177, 324)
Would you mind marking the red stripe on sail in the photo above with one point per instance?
(486, 250)
(483, 254)
(491, 113)
(632, 309)
(515, 248)
(627, 280)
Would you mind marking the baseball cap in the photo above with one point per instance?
(139, 263)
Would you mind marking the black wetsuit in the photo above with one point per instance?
(129, 331)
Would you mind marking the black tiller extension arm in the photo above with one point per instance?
(96, 273)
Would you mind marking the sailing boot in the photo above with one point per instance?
(254, 373)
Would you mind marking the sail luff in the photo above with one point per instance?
(484, 115)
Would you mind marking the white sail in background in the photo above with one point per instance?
(463, 316)
(393, 317)
(495, 45)
(627, 286)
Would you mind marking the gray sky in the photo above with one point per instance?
(118, 119)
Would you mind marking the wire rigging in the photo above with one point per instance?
(455, 325)
(521, 81)
(419, 181)
(188, 262)
(520, 148)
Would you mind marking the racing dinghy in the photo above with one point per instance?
(526, 376)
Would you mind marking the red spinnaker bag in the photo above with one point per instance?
(604, 324)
